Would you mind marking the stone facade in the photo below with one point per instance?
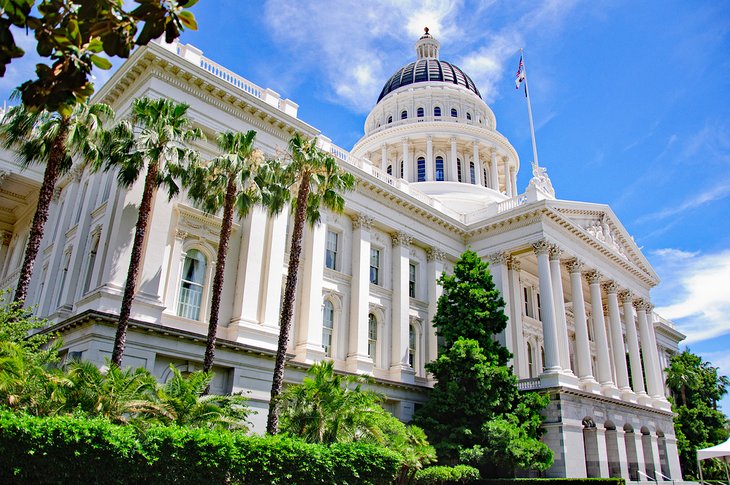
(431, 183)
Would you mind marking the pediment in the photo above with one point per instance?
(603, 228)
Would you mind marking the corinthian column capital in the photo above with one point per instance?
(400, 239)
(498, 258)
(361, 221)
(541, 247)
(434, 254)
(574, 265)
(594, 277)
(625, 296)
(610, 286)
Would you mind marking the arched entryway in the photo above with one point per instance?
(648, 454)
(631, 456)
(663, 454)
(614, 461)
(590, 446)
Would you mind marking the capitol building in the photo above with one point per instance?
(435, 177)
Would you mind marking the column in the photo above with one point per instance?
(657, 368)
(507, 183)
(384, 157)
(637, 374)
(406, 161)
(434, 268)
(599, 329)
(494, 173)
(549, 328)
(358, 360)
(582, 343)
(513, 180)
(248, 277)
(399, 368)
(309, 335)
(429, 159)
(274, 270)
(498, 268)
(617, 337)
(559, 301)
(477, 164)
(518, 337)
(649, 351)
(453, 171)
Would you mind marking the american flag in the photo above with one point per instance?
(520, 74)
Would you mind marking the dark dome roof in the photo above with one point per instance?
(428, 70)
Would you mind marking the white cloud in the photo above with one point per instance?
(718, 192)
(695, 292)
(356, 45)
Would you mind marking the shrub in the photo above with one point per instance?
(73, 449)
(447, 475)
(551, 481)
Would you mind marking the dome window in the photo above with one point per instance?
(421, 165)
(401, 169)
(454, 113)
(390, 170)
(472, 173)
(437, 111)
(404, 114)
(458, 169)
(390, 119)
(419, 112)
(440, 169)
(468, 116)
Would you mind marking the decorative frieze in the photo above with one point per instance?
(400, 239)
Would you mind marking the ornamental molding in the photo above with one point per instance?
(6, 237)
(362, 221)
(4, 174)
(500, 257)
(400, 239)
(435, 254)
(542, 247)
(513, 264)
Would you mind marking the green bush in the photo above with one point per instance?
(447, 475)
(550, 481)
(69, 449)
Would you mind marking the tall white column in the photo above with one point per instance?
(384, 158)
(248, 278)
(599, 330)
(549, 328)
(507, 182)
(309, 336)
(477, 165)
(498, 268)
(429, 159)
(274, 270)
(358, 360)
(453, 171)
(513, 179)
(406, 161)
(493, 171)
(649, 351)
(658, 369)
(518, 337)
(582, 343)
(637, 374)
(559, 301)
(434, 268)
(617, 337)
(400, 321)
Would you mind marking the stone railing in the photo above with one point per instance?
(446, 119)
(529, 384)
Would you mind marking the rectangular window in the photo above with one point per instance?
(330, 255)
(539, 309)
(528, 301)
(439, 169)
(421, 165)
(81, 203)
(375, 266)
(412, 280)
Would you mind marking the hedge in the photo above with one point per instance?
(447, 475)
(70, 449)
(550, 481)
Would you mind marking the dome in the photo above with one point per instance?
(428, 70)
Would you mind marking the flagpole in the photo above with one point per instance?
(529, 109)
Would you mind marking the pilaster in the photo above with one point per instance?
(399, 368)
(358, 360)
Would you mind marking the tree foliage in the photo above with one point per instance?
(73, 34)
(475, 413)
(696, 387)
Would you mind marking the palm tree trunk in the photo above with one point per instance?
(287, 307)
(50, 176)
(220, 267)
(145, 207)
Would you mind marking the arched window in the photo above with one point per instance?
(468, 116)
(328, 324)
(454, 113)
(90, 262)
(458, 169)
(389, 170)
(372, 336)
(402, 174)
(530, 360)
(191, 285)
(412, 346)
(437, 111)
(403, 114)
(390, 119)
(421, 166)
(440, 169)
(419, 112)
(472, 173)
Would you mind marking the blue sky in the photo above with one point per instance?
(631, 103)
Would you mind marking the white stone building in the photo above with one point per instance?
(435, 177)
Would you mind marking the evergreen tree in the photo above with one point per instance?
(475, 413)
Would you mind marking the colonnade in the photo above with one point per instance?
(615, 318)
(487, 169)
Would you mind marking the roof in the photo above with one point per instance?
(428, 70)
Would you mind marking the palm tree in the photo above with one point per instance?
(681, 377)
(152, 138)
(318, 182)
(232, 182)
(49, 138)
